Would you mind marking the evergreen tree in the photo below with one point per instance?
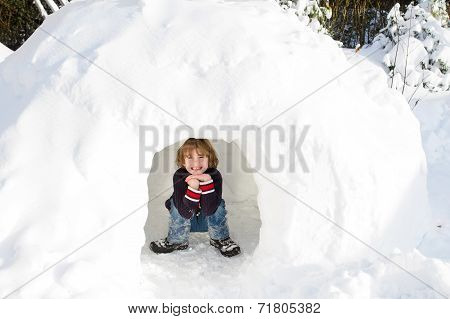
(313, 13)
(18, 20)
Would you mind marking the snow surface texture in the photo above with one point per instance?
(4, 52)
(69, 157)
(432, 110)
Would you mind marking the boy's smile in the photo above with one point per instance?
(195, 164)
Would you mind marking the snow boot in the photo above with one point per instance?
(162, 246)
(227, 247)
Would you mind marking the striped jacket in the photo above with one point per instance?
(189, 201)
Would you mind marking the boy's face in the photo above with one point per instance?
(195, 163)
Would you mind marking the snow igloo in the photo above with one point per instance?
(76, 95)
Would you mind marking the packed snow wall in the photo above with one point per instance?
(75, 95)
(4, 52)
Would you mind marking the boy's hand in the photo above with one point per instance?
(200, 178)
(194, 183)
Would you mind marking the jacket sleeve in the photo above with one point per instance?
(186, 199)
(211, 193)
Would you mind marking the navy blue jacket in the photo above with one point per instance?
(189, 201)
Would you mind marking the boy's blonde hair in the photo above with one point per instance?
(203, 146)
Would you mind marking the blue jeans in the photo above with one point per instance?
(180, 227)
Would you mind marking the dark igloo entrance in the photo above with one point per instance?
(200, 271)
(239, 192)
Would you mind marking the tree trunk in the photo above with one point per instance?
(42, 11)
(52, 5)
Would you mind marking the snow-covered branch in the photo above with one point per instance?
(417, 49)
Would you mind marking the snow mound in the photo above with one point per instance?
(4, 52)
(433, 111)
(69, 145)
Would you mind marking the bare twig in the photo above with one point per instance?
(407, 51)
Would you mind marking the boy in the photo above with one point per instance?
(197, 189)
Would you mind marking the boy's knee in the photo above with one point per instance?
(219, 214)
(177, 217)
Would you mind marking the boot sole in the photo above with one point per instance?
(228, 254)
(156, 249)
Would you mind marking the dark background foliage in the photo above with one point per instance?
(18, 20)
(359, 21)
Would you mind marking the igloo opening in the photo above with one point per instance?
(239, 193)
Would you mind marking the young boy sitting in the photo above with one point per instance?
(197, 189)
